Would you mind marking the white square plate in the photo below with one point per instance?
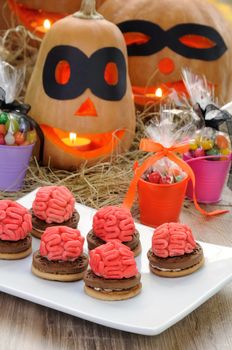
(162, 302)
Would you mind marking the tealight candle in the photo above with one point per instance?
(80, 143)
(45, 27)
(157, 94)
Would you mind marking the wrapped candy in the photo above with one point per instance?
(161, 180)
(16, 130)
(208, 142)
(164, 172)
(16, 127)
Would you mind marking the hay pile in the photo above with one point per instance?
(102, 184)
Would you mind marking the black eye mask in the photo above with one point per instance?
(85, 72)
(160, 38)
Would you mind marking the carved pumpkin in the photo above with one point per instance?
(33, 13)
(165, 36)
(80, 85)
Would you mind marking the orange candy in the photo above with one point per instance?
(19, 138)
(222, 142)
(2, 129)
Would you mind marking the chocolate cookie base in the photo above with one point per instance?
(60, 267)
(14, 250)
(94, 242)
(39, 226)
(94, 281)
(111, 289)
(177, 265)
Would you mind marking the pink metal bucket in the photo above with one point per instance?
(210, 177)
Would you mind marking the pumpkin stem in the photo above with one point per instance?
(88, 10)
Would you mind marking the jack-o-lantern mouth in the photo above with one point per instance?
(86, 146)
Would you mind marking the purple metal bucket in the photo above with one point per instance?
(210, 177)
(14, 161)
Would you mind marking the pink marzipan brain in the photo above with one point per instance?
(53, 204)
(113, 223)
(172, 239)
(113, 260)
(61, 243)
(15, 221)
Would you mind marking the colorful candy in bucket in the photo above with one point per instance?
(18, 132)
(208, 143)
(210, 159)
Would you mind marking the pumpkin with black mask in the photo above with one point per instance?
(80, 85)
(33, 13)
(165, 36)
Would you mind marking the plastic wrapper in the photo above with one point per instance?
(167, 131)
(16, 127)
(209, 143)
(202, 100)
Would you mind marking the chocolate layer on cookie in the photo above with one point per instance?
(94, 242)
(176, 262)
(12, 247)
(60, 267)
(94, 281)
(41, 225)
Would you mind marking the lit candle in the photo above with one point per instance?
(80, 143)
(150, 96)
(157, 94)
(45, 27)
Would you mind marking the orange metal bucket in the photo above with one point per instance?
(160, 203)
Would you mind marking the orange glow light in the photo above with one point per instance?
(159, 92)
(47, 24)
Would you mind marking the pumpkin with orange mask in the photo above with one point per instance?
(165, 36)
(80, 91)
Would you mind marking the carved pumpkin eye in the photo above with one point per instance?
(62, 72)
(111, 74)
(197, 41)
(136, 38)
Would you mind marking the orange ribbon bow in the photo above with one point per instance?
(160, 151)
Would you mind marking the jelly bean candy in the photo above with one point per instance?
(221, 141)
(199, 152)
(225, 152)
(19, 138)
(2, 129)
(213, 152)
(3, 118)
(9, 139)
(206, 144)
(193, 145)
(31, 136)
(24, 125)
(12, 125)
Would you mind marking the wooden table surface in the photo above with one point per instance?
(27, 326)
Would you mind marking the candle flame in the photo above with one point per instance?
(47, 24)
(159, 92)
(72, 137)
